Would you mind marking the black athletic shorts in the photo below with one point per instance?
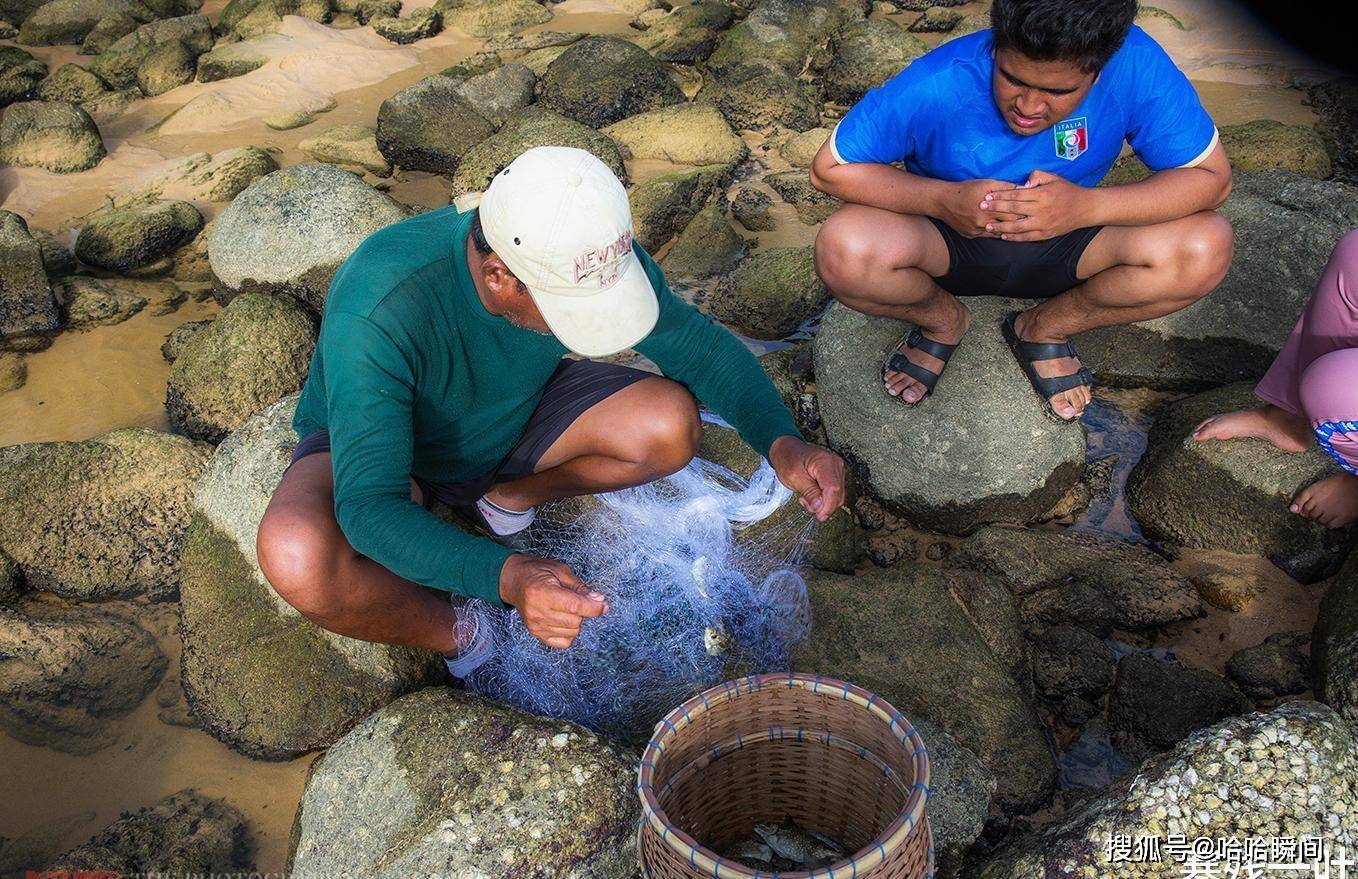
(575, 386)
(1021, 269)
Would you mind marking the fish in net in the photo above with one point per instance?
(701, 574)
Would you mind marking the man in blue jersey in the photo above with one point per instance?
(1004, 135)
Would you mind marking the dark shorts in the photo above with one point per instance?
(1021, 269)
(575, 386)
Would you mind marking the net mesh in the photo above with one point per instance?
(701, 574)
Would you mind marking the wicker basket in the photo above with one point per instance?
(834, 757)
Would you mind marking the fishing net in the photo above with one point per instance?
(701, 575)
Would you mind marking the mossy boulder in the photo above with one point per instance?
(73, 84)
(771, 293)
(99, 517)
(445, 783)
(1292, 772)
(255, 352)
(28, 310)
(52, 135)
(108, 31)
(1275, 667)
(497, 94)
(251, 18)
(707, 247)
(947, 464)
(866, 54)
(813, 206)
(531, 127)
(686, 134)
(687, 35)
(353, 145)
(665, 204)
(900, 633)
(231, 59)
(800, 149)
(13, 375)
(781, 35)
(217, 177)
(68, 672)
(1143, 722)
(257, 674)
(149, 54)
(1286, 226)
(1266, 144)
(20, 74)
(750, 208)
(183, 833)
(599, 80)
(138, 235)
(759, 97)
(87, 302)
(1232, 495)
(1086, 580)
(484, 18)
(420, 24)
(429, 126)
(179, 337)
(288, 231)
(69, 21)
(1334, 644)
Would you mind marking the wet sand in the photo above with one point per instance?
(109, 377)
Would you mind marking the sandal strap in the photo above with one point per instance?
(1046, 350)
(900, 363)
(1050, 387)
(918, 340)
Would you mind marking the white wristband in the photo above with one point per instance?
(482, 642)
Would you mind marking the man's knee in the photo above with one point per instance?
(298, 559)
(670, 432)
(1327, 387)
(850, 253)
(1201, 256)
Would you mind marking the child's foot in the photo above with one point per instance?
(1291, 433)
(1333, 502)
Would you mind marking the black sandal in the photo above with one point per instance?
(898, 362)
(1026, 353)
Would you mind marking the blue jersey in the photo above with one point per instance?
(938, 116)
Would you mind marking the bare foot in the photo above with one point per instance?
(898, 384)
(1332, 502)
(1291, 433)
(1070, 404)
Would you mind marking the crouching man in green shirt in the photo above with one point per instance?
(439, 374)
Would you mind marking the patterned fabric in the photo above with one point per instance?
(1325, 433)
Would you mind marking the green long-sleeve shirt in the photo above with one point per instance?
(413, 376)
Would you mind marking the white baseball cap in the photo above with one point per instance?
(560, 220)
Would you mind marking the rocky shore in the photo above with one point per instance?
(965, 583)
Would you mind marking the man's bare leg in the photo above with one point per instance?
(641, 433)
(1133, 273)
(883, 263)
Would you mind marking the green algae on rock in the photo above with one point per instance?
(87, 303)
(20, 75)
(354, 145)
(428, 126)
(665, 204)
(707, 246)
(532, 126)
(185, 833)
(137, 235)
(28, 310)
(484, 18)
(686, 134)
(52, 135)
(600, 80)
(71, 83)
(1234, 494)
(771, 293)
(1266, 144)
(71, 670)
(257, 674)
(866, 54)
(900, 632)
(99, 517)
(255, 352)
(445, 783)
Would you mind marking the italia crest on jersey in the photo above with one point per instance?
(1072, 138)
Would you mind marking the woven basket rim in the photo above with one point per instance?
(870, 856)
